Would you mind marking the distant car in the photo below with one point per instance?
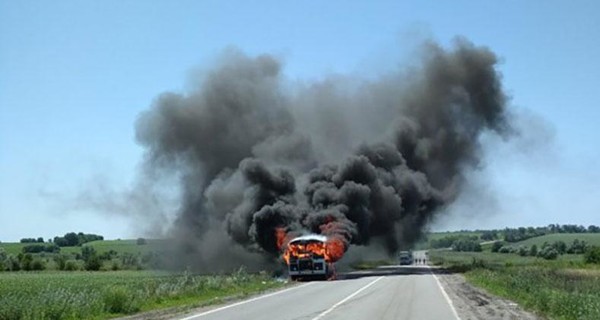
(406, 258)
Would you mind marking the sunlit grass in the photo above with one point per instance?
(100, 295)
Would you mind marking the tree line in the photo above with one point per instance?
(70, 239)
(511, 235)
(42, 256)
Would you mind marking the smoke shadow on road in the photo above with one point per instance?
(392, 271)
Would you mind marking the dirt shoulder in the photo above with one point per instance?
(474, 303)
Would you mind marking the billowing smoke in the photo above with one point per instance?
(360, 161)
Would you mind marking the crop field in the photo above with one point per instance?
(128, 246)
(439, 235)
(590, 238)
(120, 246)
(12, 247)
(450, 258)
(102, 295)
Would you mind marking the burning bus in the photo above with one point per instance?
(307, 257)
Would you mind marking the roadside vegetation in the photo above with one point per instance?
(556, 275)
(83, 276)
(103, 295)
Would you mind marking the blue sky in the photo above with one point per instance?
(74, 75)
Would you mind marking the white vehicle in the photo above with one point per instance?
(406, 258)
(307, 258)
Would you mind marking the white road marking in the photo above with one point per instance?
(324, 313)
(445, 294)
(244, 302)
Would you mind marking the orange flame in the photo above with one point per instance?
(336, 248)
(331, 250)
(280, 234)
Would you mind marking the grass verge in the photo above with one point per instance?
(557, 293)
(103, 295)
(562, 289)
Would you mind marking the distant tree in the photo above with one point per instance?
(13, 263)
(592, 255)
(523, 251)
(141, 241)
(560, 246)
(448, 241)
(85, 237)
(38, 265)
(40, 240)
(87, 252)
(533, 251)
(488, 235)
(28, 240)
(93, 263)
(32, 248)
(496, 246)
(548, 253)
(61, 242)
(91, 259)
(593, 229)
(72, 239)
(71, 265)
(505, 249)
(577, 247)
(130, 261)
(108, 255)
(466, 245)
(26, 261)
(61, 261)
(37, 248)
(3, 260)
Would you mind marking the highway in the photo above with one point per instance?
(392, 292)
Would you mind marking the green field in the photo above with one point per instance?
(12, 247)
(590, 238)
(120, 246)
(102, 295)
(439, 235)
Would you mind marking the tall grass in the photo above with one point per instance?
(85, 295)
(558, 293)
(566, 288)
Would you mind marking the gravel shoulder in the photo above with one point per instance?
(473, 303)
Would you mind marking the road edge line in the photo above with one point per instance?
(324, 313)
(243, 302)
(445, 294)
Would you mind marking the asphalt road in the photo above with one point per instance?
(392, 292)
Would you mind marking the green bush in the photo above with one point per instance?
(93, 263)
(466, 245)
(506, 249)
(496, 246)
(548, 253)
(523, 251)
(71, 265)
(592, 255)
(533, 251)
(38, 265)
(120, 300)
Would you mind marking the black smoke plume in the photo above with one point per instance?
(361, 160)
